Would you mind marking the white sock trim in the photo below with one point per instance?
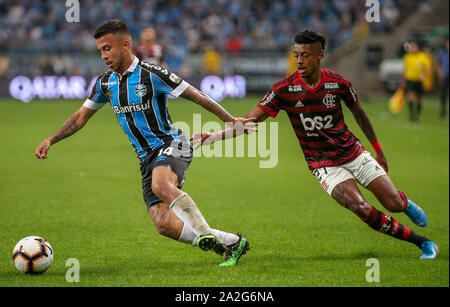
(187, 235)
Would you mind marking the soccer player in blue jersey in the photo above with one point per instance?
(137, 92)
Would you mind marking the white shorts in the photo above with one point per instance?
(363, 169)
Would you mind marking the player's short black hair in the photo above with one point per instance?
(112, 26)
(310, 37)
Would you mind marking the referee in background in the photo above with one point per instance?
(417, 68)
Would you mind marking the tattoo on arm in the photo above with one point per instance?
(70, 127)
(207, 102)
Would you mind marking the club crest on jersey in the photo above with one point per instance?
(140, 90)
(329, 100)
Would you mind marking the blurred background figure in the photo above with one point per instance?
(212, 61)
(417, 69)
(45, 66)
(148, 50)
(234, 44)
(4, 66)
(248, 38)
(442, 66)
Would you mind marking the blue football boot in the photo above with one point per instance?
(429, 250)
(416, 214)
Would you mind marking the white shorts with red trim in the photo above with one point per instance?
(364, 169)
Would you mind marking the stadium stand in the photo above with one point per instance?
(186, 27)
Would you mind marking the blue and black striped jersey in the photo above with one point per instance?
(139, 100)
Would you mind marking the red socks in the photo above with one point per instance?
(404, 198)
(384, 223)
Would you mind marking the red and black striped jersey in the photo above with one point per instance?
(152, 54)
(316, 116)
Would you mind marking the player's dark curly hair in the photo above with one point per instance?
(310, 37)
(112, 26)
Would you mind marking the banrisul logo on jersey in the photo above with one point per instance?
(140, 90)
(132, 108)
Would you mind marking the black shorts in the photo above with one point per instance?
(176, 155)
(414, 86)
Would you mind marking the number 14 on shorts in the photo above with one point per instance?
(166, 151)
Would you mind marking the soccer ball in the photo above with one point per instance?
(32, 255)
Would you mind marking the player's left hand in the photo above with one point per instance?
(42, 149)
(380, 157)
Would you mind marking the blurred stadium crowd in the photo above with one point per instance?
(190, 26)
(232, 25)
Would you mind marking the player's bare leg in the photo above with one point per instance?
(396, 201)
(166, 221)
(348, 195)
(384, 190)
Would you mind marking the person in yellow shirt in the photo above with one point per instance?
(417, 68)
(212, 61)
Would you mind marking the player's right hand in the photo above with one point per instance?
(42, 149)
(381, 158)
(245, 125)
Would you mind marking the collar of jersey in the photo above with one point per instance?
(132, 66)
(318, 86)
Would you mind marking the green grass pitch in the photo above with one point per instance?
(85, 199)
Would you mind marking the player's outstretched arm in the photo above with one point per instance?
(200, 98)
(366, 126)
(72, 125)
(249, 122)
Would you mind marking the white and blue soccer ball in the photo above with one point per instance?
(33, 255)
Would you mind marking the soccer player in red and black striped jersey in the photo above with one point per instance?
(312, 98)
(148, 50)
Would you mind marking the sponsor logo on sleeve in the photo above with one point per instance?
(268, 98)
(174, 78)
